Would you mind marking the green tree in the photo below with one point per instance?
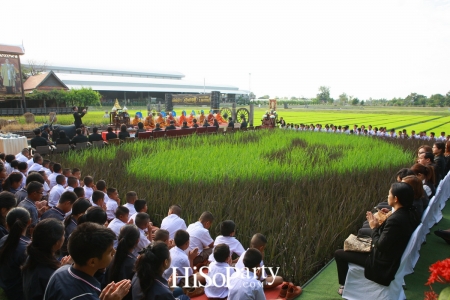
(355, 101)
(264, 97)
(343, 99)
(324, 95)
(252, 96)
(437, 100)
(83, 97)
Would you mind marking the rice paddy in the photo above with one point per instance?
(305, 191)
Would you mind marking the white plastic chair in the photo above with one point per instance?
(358, 287)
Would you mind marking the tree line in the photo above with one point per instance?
(323, 97)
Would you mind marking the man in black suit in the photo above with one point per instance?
(171, 126)
(140, 129)
(46, 133)
(158, 128)
(38, 140)
(95, 136)
(79, 138)
(185, 126)
(244, 123)
(110, 134)
(77, 116)
(230, 123)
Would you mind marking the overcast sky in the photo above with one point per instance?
(378, 49)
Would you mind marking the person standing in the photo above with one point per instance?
(77, 116)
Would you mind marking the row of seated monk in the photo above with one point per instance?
(150, 122)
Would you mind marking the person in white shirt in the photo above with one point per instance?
(30, 162)
(45, 167)
(23, 156)
(173, 222)
(68, 173)
(142, 222)
(119, 221)
(442, 138)
(259, 242)
(77, 174)
(227, 231)
(112, 201)
(140, 205)
(182, 263)
(56, 191)
(57, 169)
(200, 237)
(88, 187)
(8, 159)
(218, 273)
(37, 163)
(245, 284)
(23, 169)
(131, 197)
(98, 199)
(72, 183)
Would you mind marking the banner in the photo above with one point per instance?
(9, 75)
(192, 99)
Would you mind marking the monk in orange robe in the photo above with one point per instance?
(220, 119)
(160, 120)
(210, 118)
(190, 119)
(170, 118)
(149, 123)
(201, 118)
(136, 120)
(182, 118)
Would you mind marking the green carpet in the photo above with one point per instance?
(325, 285)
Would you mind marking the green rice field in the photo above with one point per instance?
(306, 193)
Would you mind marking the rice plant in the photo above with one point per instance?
(305, 191)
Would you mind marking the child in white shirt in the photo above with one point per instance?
(218, 273)
(227, 230)
(173, 221)
(119, 221)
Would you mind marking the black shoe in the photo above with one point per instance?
(445, 235)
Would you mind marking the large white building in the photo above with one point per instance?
(136, 85)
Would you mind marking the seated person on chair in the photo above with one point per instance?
(194, 123)
(136, 120)
(149, 123)
(140, 129)
(182, 118)
(63, 139)
(46, 133)
(95, 136)
(215, 124)
(110, 134)
(389, 240)
(38, 140)
(244, 123)
(123, 133)
(205, 123)
(158, 127)
(160, 120)
(230, 123)
(171, 126)
(185, 126)
(79, 137)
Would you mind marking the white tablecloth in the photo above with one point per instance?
(13, 145)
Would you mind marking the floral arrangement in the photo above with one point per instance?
(440, 272)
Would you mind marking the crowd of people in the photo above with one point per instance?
(395, 220)
(64, 236)
(365, 131)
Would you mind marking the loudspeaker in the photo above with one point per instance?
(215, 100)
(168, 102)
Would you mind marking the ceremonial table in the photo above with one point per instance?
(12, 144)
